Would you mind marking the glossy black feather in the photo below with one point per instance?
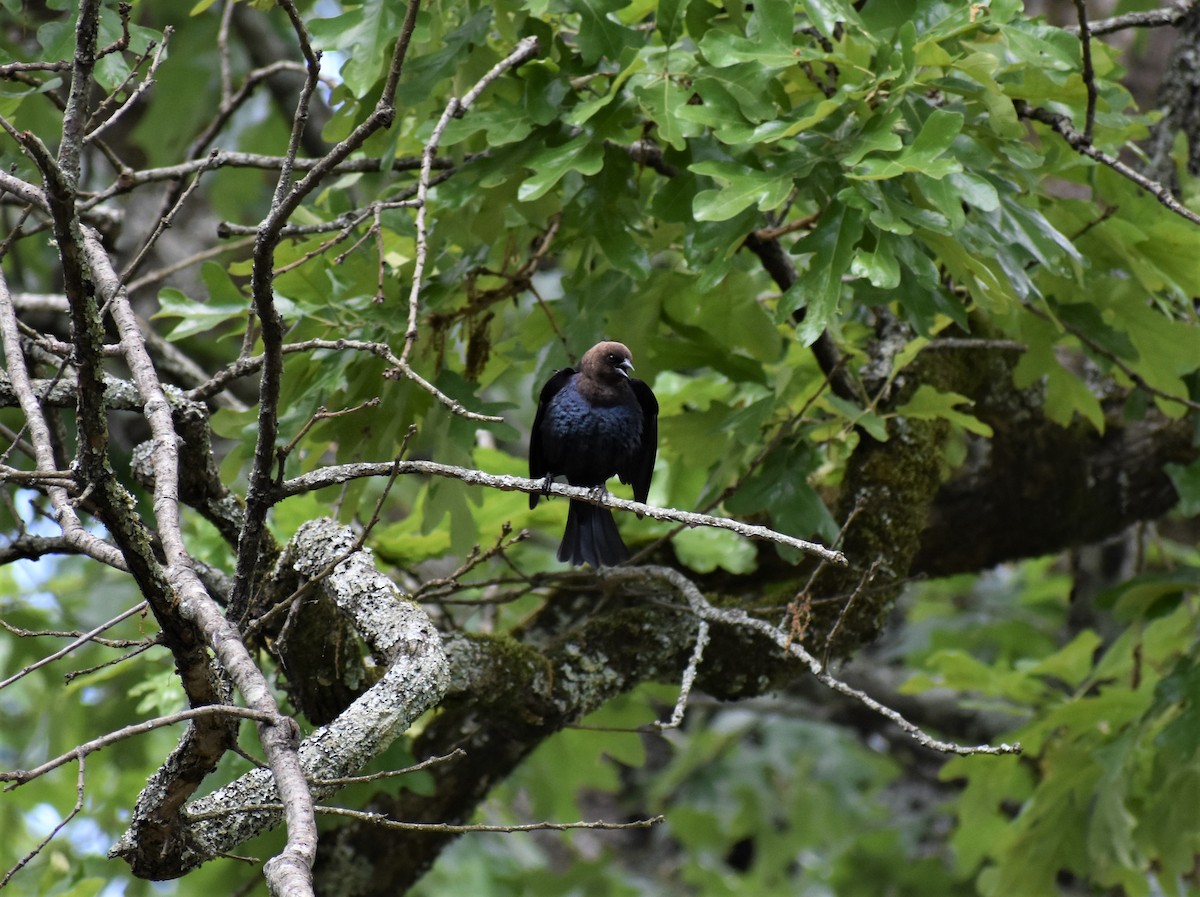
(592, 424)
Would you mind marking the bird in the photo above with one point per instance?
(592, 423)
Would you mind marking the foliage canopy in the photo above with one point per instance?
(902, 278)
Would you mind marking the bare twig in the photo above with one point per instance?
(68, 519)
(80, 641)
(1100, 351)
(867, 576)
(433, 587)
(80, 782)
(75, 115)
(1089, 73)
(382, 821)
(738, 617)
(75, 634)
(342, 781)
(19, 777)
(1079, 142)
(1150, 18)
(163, 223)
(781, 433)
(258, 624)
(246, 366)
(288, 197)
(322, 413)
(145, 85)
(526, 49)
(161, 274)
(688, 680)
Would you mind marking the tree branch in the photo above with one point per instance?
(343, 473)
(399, 634)
(1151, 18)
(1080, 142)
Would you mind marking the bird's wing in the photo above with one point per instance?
(537, 458)
(642, 468)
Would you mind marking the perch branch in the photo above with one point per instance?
(335, 475)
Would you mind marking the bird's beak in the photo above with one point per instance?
(625, 367)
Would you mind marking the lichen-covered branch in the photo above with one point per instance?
(398, 633)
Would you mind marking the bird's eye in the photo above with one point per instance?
(612, 359)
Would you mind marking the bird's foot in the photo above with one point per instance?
(546, 483)
(598, 492)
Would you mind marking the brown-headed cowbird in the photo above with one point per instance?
(592, 423)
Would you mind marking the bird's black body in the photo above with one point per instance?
(594, 423)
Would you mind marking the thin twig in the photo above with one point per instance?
(784, 430)
(82, 637)
(1138, 380)
(473, 560)
(19, 777)
(382, 821)
(1151, 18)
(866, 579)
(145, 645)
(526, 49)
(343, 781)
(258, 624)
(322, 413)
(1078, 141)
(1089, 73)
(161, 274)
(243, 367)
(80, 781)
(145, 85)
(39, 431)
(688, 680)
(738, 617)
(163, 223)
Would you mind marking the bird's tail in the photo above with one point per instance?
(591, 537)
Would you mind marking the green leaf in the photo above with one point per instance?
(1089, 321)
(975, 190)
(819, 289)
(424, 73)
(362, 35)
(821, 110)
(1150, 595)
(195, 317)
(1186, 481)
(879, 136)
(600, 35)
(669, 19)
(870, 421)
(503, 123)
(768, 44)
(879, 265)
(552, 163)
(831, 16)
(1073, 663)
(923, 155)
(705, 549)
(1066, 394)
(745, 188)
(662, 101)
(928, 403)
(739, 91)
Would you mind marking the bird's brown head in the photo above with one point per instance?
(608, 362)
